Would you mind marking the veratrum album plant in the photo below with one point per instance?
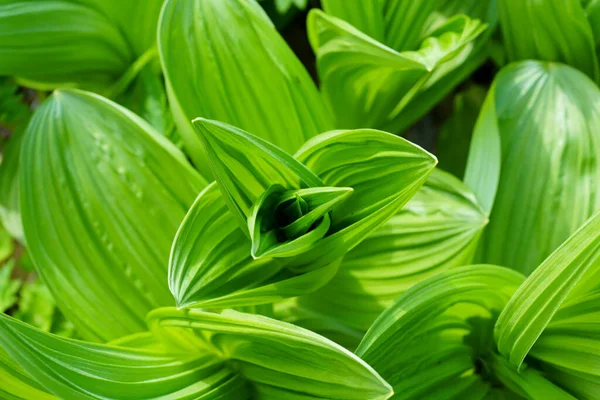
(293, 199)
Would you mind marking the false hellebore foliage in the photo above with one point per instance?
(204, 222)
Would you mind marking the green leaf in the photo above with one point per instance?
(79, 370)
(380, 168)
(455, 135)
(429, 342)
(549, 30)
(545, 117)
(438, 229)
(368, 84)
(268, 189)
(224, 60)
(13, 110)
(284, 223)
(17, 384)
(280, 360)
(291, 311)
(569, 272)
(37, 44)
(211, 265)
(114, 193)
(527, 382)
(246, 165)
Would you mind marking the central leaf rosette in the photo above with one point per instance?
(286, 223)
(276, 225)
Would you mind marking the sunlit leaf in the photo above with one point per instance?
(429, 343)
(211, 265)
(545, 117)
(114, 194)
(369, 83)
(549, 30)
(568, 273)
(280, 360)
(224, 60)
(438, 229)
(40, 33)
(72, 369)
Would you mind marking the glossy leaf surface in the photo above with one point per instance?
(438, 229)
(224, 60)
(545, 117)
(279, 359)
(115, 192)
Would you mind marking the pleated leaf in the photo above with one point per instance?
(438, 229)
(17, 384)
(403, 25)
(545, 117)
(114, 193)
(549, 30)
(60, 43)
(280, 360)
(72, 369)
(224, 60)
(571, 270)
(425, 345)
(368, 84)
(246, 165)
(211, 265)
(569, 347)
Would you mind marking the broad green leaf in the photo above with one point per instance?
(549, 30)
(527, 382)
(291, 311)
(270, 191)
(60, 43)
(17, 384)
(370, 84)
(211, 265)
(386, 22)
(246, 165)
(72, 369)
(380, 168)
(482, 171)
(430, 342)
(569, 347)
(567, 273)
(454, 141)
(114, 193)
(438, 229)
(546, 117)
(224, 60)
(280, 360)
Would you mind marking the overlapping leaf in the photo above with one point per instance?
(429, 343)
(40, 33)
(224, 60)
(74, 369)
(539, 122)
(376, 172)
(549, 30)
(280, 360)
(114, 194)
(438, 229)
(568, 274)
(211, 265)
(389, 75)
